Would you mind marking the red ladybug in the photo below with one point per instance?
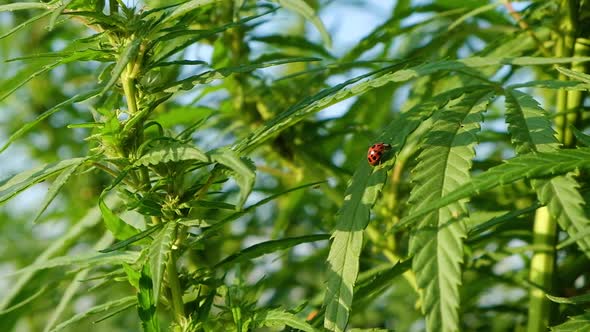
(376, 152)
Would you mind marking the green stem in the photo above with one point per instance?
(541, 271)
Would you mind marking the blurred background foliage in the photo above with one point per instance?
(325, 147)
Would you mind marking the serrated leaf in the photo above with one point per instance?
(354, 215)
(531, 131)
(171, 153)
(294, 41)
(532, 165)
(117, 226)
(24, 129)
(580, 323)
(146, 305)
(437, 244)
(303, 9)
(277, 317)
(101, 308)
(55, 187)
(159, 254)
(243, 174)
(17, 183)
(268, 247)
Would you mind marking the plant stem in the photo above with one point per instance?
(541, 271)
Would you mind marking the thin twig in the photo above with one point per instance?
(524, 26)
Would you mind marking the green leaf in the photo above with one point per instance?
(303, 9)
(531, 131)
(578, 323)
(580, 136)
(24, 24)
(23, 6)
(188, 7)
(17, 183)
(360, 196)
(532, 165)
(437, 244)
(576, 75)
(171, 153)
(580, 299)
(219, 225)
(268, 247)
(82, 260)
(24, 129)
(63, 4)
(117, 226)
(212, 75)
(294, 41)
(243, 174)
(278, 318)
(146, 305)
(135, 238)
(56, 186)
(72, 288)
(83, 225)
(129, 53)
(101, 308)
(159, 254)
(472, 13)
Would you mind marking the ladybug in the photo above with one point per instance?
(376, 152)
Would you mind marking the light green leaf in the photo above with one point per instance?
(127, 301)
(82, 260)
(117, 226)
(580, 323)
(580, 299)
(23, 6)
(576, 75)
(171, 153)
(187, 7)
(531, 165)
(472, 13)
(90, 220)
(580, 136)
(125, 57)
(531, 131)
(24, 24)
(268, 247)
(303, 9)
(278, 318)
(72, 288)
(135, 238)
(243, 174)
(354, 215)
(63, 4)
(437, 244)
(24, 129)
(56, 186)
(159, 254)
(16, 184)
